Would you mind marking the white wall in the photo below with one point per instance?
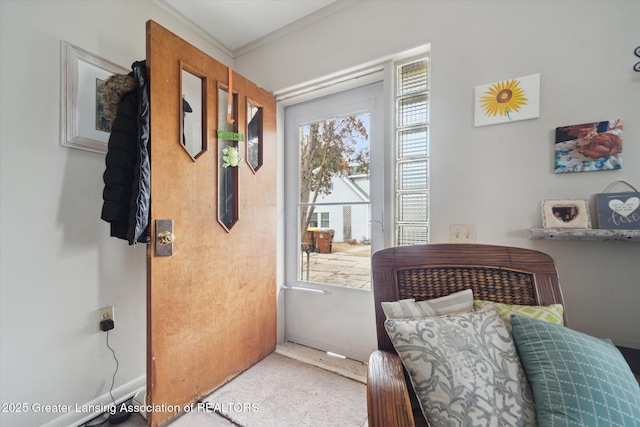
(496, 176)
(58, 264)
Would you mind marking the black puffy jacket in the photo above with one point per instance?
(127, 186)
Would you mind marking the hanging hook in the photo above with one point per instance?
(637, 53)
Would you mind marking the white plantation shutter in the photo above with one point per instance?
(412, 153)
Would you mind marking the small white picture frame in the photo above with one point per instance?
(82, 124)
(565, 213)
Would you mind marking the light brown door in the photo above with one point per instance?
(211, 304)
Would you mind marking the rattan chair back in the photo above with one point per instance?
(503, 274)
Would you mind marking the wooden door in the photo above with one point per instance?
(211, 305)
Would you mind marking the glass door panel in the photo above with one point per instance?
(334, 202)
(334, 198)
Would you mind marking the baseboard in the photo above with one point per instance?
(120, 394)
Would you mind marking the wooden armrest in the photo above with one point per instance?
(388, 401)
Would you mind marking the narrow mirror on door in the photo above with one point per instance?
(192, 112)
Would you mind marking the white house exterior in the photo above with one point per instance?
(350, 216)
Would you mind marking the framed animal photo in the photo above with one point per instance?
(589, 147)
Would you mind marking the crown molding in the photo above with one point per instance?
(193, 26)
(305, 21)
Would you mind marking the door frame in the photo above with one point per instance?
(355, 307)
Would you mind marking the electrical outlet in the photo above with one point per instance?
(105, 313)
(462, 233)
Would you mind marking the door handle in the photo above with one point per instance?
(164, 237)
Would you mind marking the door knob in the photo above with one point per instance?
(164, 237)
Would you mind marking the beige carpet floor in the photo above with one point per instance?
(280, 392)
(282, 396)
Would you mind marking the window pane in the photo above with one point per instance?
(334, 209)
(313, 222)
(412, 207)
(412, 111)
(412, 235)
(412, 175)
(324, 221)
(412, 143)
(413, 77)
(339, 252)
(334, 160)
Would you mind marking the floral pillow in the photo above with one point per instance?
(465, 369)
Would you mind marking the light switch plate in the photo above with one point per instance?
(462, 233)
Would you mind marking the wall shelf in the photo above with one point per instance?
(584, 234)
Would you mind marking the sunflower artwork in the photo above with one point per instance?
(507, 101)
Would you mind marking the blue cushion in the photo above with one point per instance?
(577, 380)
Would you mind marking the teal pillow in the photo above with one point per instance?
(577, 380)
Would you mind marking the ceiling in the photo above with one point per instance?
(237, 23)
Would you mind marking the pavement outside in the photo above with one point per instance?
(347, 265)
